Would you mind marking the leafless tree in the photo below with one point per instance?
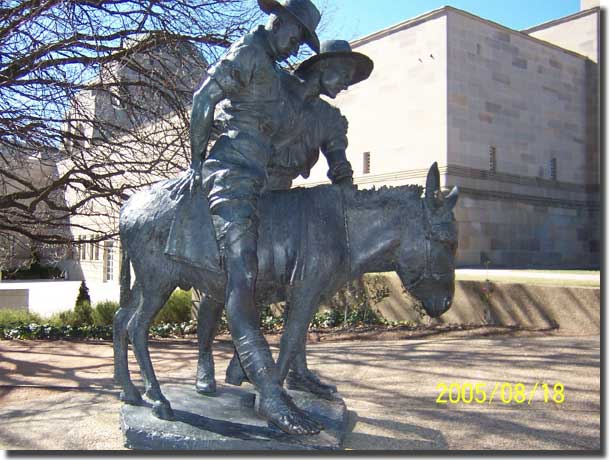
(94, 102)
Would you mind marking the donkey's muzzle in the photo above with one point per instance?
(439, 306)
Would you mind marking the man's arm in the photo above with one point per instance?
(334, 147)
(339, 168)
(205, 100)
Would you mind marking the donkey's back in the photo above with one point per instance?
(301, 231)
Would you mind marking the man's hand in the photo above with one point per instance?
(345, 181)
(341, 173)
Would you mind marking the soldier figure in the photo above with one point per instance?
(321, 127)
(310, 124)
(234, 174)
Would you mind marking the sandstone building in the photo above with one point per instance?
(511, 117)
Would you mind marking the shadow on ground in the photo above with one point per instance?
(390, 388)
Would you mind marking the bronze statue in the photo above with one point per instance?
(213, 229)
(312, 243)
(319, 126)
(234, 174)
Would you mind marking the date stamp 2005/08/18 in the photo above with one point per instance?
(500, 392)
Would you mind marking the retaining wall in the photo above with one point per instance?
(573, 310)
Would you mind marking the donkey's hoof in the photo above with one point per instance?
(235, 375)
(206, 388)
(163, 410)
(310, 383)
(131, 396)
(235, 380)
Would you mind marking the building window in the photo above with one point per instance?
(366, 163)
(116, 101)
(108, 261)
(78, 136)
(82, 248)
(554, 168)
(493, 161)
(96, 251)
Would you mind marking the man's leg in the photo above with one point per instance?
(241, 266)
(238, 243)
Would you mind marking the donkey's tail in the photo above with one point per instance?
(119, 324)
(125, 282)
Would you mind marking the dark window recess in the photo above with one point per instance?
(554, 168)
(493, 161)
(366, 163)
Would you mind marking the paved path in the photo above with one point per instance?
(59, 395)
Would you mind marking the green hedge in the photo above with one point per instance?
(103, 313)
(177, 309)
(12, 317)
(87, 322)
(350, 308)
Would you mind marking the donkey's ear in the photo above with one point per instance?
(433, 183)
(451, 199)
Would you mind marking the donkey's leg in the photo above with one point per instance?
(302, 303)
(235, 374)
(153, 300)
(130, 393)
(207, 324)
(301, 378)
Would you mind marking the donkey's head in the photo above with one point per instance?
(426, 263)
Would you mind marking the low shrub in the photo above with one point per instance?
(83, 314)
(176, 310)
(174, 329)
(327, 319)
(50, 332)
(103, 313)
(271, 320)
(62, 318)
(14, 317)
(364, 317)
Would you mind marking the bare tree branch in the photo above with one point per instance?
(94, 103)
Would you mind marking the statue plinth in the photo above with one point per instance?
(227, 421)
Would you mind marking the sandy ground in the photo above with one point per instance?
(60, 395)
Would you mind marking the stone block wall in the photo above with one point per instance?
(518, 121)
(525, 234)
(526, 99)
(399, 113)
(579, 33)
